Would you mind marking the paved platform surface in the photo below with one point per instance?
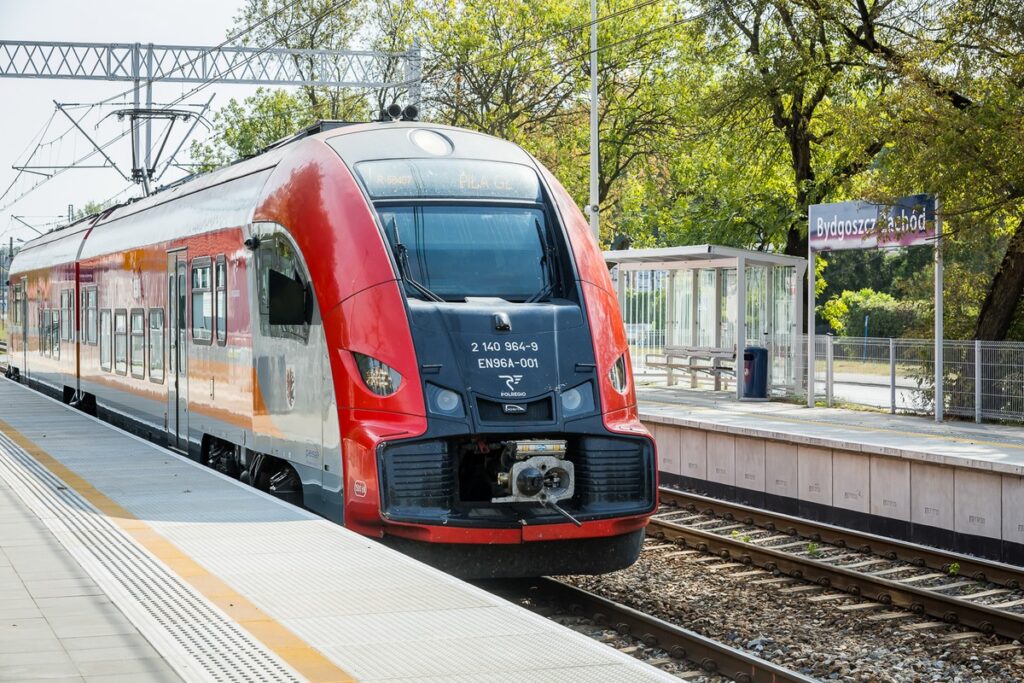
(229, 584)
(55, 621)
(989, 447)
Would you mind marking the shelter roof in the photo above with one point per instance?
(668, 258)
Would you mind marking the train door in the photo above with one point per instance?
(177, 350)
(22, 302)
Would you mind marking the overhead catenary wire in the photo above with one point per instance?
(231, 38)
(331, 7)
(227, 41)
(334, 5)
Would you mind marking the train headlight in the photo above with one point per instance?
(379, 377)
(444, 401)
(579, 399)
(618, 375)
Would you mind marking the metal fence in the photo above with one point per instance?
(980, 380)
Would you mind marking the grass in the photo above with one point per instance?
(880, 368)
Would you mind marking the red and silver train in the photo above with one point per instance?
(406, 328)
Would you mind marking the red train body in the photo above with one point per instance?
(408, 329)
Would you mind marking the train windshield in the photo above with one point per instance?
(450, 252)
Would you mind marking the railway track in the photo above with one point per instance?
(713, 657)
(957, 589)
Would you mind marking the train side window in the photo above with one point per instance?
(17, 304)
(44, 332)
(49, 332)
(283, 289)
(138, 346)
(221, 304)
(202, 302)
(121, 341)
(67, 296)
(55, 332)
(156, 345)
(105, 339)
(89, 315)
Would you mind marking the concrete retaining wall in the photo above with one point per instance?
(962, 508)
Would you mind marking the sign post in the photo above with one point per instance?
(812, 271)
(940, 400)
(907, 222)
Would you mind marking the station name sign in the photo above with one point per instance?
(907, 222)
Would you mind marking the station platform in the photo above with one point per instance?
(955, 485)
(123, 561)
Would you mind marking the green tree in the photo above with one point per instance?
(90, 208)
(720, 121)
(243, 129)
(959, 65)
(795, 89)
(311, 25)
(884, 315)
(498, 67)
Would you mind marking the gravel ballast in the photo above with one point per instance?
(813, 638)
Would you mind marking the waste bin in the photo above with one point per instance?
(755, 372)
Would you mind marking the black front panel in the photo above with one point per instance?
(433, 482)
(514, 368)
(495, 354)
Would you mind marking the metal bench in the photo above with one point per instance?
(687, 359)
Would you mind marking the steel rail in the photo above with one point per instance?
(972, 567)
(951, 609)
(712, 656)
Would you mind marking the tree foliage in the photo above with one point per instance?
(242, 129)
(874, 314)
(720, 120)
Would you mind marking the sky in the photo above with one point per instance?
(27, 104)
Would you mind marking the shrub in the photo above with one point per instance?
(887, 317)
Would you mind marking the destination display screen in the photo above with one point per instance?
(448, 179)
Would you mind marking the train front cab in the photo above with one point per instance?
(531, 459)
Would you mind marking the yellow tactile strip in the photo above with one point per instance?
(301, 656)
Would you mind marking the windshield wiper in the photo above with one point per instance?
(402, 258)
(403, 265)
(546, 261)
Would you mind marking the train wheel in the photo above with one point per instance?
(223, 457)
(285, 483)
(274, 476)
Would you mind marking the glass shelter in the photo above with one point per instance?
(688, 309)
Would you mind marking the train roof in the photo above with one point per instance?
(114, 228)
